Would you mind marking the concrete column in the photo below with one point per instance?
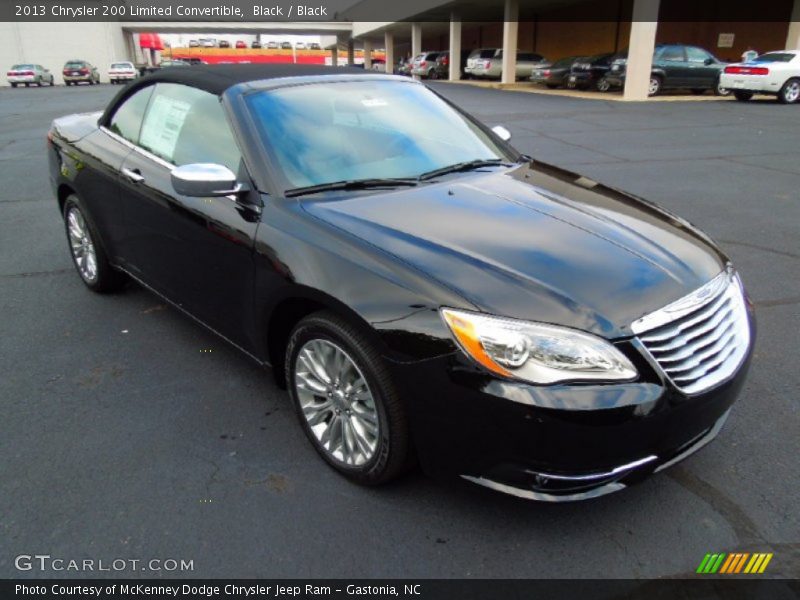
(388, 43)
(367, 54)
(640, 49)
(335, 56)
(416, 39)
(510, 31)
(351, 52)
(455, 48)
(793, 38)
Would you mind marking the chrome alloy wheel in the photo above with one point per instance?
(336, 402)
(792, 92)
(80, 241)
(654, 86)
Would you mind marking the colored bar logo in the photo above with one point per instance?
(734, 563)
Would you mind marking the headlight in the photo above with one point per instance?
(536, 352)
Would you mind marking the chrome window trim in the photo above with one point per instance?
(138, 149)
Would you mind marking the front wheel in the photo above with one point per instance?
(88, 254)
(790, 92)
(346, 401)
(742, 96)
(603, 85)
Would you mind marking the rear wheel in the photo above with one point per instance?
(27, 85)
(742, 96)
(790, 92)
(88, 254)
(13, 85)
(654, 87)
(346, 401)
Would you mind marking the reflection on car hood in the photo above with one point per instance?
(535, 243)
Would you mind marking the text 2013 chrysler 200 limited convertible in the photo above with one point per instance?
(423, 290)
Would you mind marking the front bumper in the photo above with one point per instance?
(615, 79)
(557, 442)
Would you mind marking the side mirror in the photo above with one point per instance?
(501, 132)
(204, 180)
(708, 61)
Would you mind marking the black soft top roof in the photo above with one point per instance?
(218, 78)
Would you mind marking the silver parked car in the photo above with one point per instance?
(487, 63)
(424, 65)
(29, 74)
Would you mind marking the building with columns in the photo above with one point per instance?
(559, 28)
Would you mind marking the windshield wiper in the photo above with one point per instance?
(463, 166)
(350, 184)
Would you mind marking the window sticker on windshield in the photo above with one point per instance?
(163, 124)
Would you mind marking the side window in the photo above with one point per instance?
(673, 54)
(696, 55)
(184, 125)
(127, 119)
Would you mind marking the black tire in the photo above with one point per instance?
(655, 86)
(39, 83)
(742, 96)
(721, 91)
(790, 91)
(27, 85)
(52, 81)
(393, 454)
(13, 85)
(107, 278)
(603, 85)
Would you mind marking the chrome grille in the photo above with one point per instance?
(700, 340)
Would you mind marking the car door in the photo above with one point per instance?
(105, 152)
(703, 68)
(672, 61)
(198, 252)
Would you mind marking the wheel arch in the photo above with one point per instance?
(286, 311)
(64, 191)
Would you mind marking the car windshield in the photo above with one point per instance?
(329, 132)
(123, 65)
(74, 65)
(774, 57)
(22, 68)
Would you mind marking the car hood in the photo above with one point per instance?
(536, 243)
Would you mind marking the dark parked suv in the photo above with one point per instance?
(675, 66)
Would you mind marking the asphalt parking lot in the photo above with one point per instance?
(127, 431)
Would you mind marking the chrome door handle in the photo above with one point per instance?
(133, 175)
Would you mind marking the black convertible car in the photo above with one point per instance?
(423, 290)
